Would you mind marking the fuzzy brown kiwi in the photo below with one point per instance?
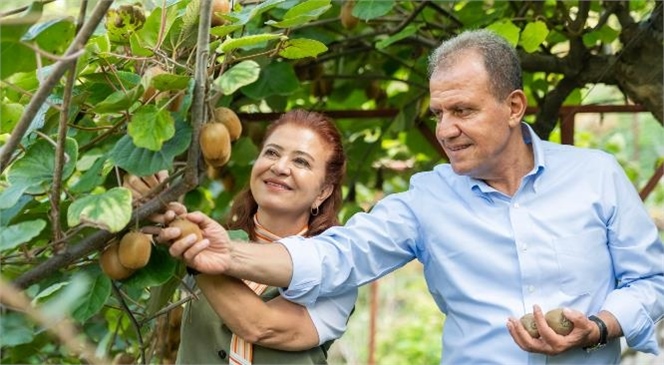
(558, 322)
(228, 118)
(215, 142)
(219, 7)
(528, 321)
(135, 249)
(348, 20)
(110, 264)
(150, 91)
(187, 227)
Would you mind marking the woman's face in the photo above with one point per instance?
(288, 176)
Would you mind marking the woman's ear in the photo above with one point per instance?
(324, 194)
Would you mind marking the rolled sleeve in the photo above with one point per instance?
(638, 328)
(305, 283)
(330, 315)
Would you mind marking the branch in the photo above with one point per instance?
(198, 107)
(62, 139)
(98, 240)
(547, 116)
(44, 90)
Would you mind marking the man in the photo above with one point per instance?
(512, 224)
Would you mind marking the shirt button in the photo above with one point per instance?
(531, 288)
(517, 205)
(524, 247)
(222, 354)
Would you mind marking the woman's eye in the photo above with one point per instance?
(301, 162)
(270, 153)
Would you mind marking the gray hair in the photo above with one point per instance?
(500, 58)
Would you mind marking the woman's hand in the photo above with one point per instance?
(211, 255)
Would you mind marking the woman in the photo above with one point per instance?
(294, 189)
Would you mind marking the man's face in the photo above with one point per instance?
(473, 127)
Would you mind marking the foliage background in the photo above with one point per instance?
(374, 71)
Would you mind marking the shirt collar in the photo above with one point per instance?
(529, 137)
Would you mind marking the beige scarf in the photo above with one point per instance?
(242, 352)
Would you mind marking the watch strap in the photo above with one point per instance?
(603, 334)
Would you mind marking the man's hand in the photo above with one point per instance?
(211, 255)
(585, 333)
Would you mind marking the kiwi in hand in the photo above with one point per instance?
(187, 227)
(528, 321)
(558, 322)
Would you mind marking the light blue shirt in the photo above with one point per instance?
(575, 235)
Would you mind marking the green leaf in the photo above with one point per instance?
(247, 41)
(10, 113)
(12, 51)
(13, 28)
(93, 177)
(166, 82)
(533, 35)
(110, 210)
(19, 233)
(119, 101)
(150, 127)
(243, 73)
(405, 33)
(301, 48)
(95, 296)
(244, 152)
(251, 12)
(149, 34)
(370, 9)
(302, 13)
(277, 78)
(7, 214)
(224, 30)
(119, 79)
(16, 329)
(35, 169)
(507, 30)
(52, 36)
(157, 272)
(141, 161)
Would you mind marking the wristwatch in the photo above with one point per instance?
(191, 271)
(603, 334)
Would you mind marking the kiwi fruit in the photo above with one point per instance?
(187, 227)
(135, 249)
(150, 91)
(228, 118)
(528, 321)
(110, 263)
(215, 142)
(558, 322)
(348, 20)
(219, 7)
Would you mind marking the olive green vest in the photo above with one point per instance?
(204, 339)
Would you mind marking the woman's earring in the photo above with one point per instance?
(314, 211)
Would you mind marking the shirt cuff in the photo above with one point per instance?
(637, 327)
(305, 283)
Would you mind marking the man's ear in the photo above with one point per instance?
(517, 103)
